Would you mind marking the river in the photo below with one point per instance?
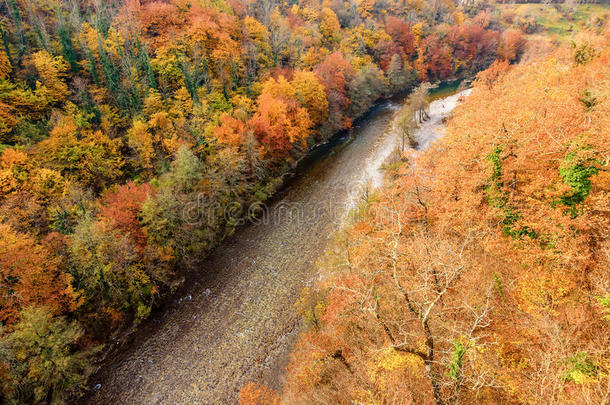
(235, 322)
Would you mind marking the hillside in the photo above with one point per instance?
(480, 273)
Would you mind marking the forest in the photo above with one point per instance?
(479, 274)
(116, 115)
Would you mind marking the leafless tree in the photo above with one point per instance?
(419, 102)
(416, 296)
(406, 126)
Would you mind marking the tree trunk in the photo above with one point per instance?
(428, 365)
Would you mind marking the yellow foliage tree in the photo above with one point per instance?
(51, 71)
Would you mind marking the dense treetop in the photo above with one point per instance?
(115, 115)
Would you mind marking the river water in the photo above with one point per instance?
(235, 322)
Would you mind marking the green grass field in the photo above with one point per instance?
(560, 21)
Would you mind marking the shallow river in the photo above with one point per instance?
(236, 322)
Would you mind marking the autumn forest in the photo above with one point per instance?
(478, 272)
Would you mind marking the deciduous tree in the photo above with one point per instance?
(45, 361)
(30, 275)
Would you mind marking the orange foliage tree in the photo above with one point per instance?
(279, 123)
(256, 394)
(30, 275)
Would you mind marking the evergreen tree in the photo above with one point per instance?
(64, 31)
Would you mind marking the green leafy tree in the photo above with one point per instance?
(44, 365)
(399, 79)
(114, 280)
(576, 171)
(176, 218)
(406, 126)
(365, 89)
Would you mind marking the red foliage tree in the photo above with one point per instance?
(400, 32)
(512, 45)
(473, 47)
(384, 50)
(335, 72)
(121, 208)
(437, 58)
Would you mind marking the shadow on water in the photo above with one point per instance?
(446, 89)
